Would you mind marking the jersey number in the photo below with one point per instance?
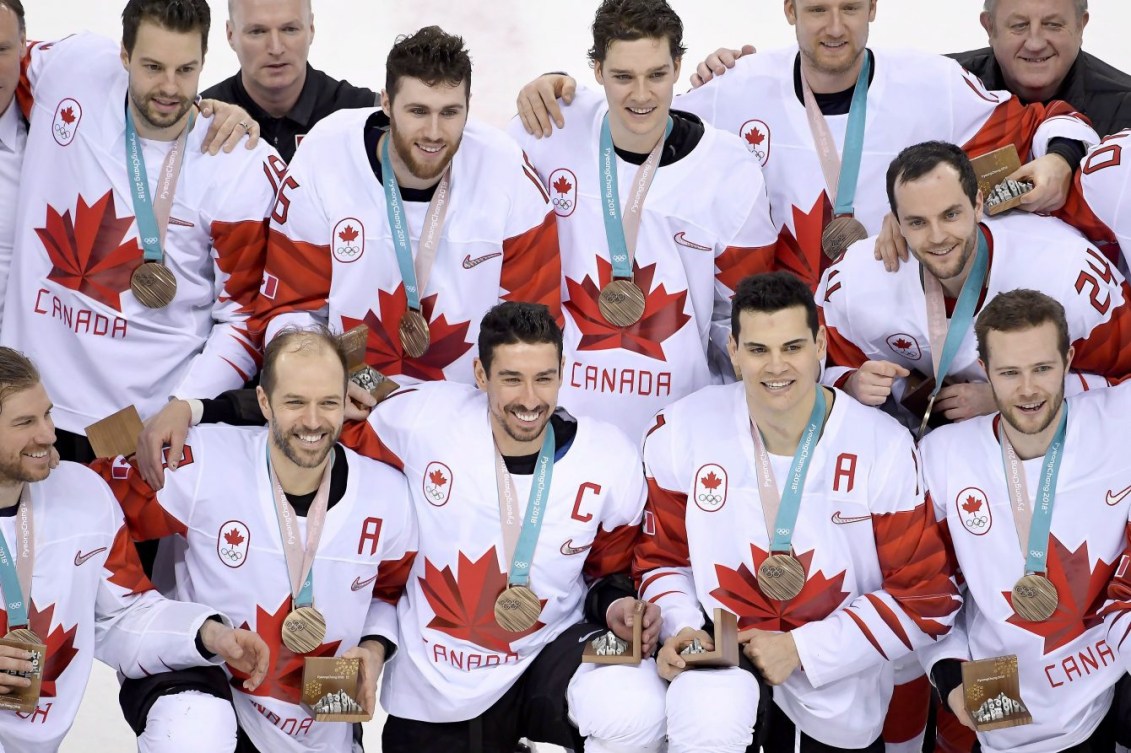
(1087, 280)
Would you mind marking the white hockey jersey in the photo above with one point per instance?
(331, 257)
(1067, 664)
(219, 501)
(69, 304)
(914, 97)
(705, 225)
(1099, 203)
(458, 661)
(1026, 251)
(878, 579)
(87, 587)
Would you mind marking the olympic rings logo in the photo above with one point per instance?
(563, 204)
(978, 521)
(710, 499)
(348, 250)
(1027, 592)
(772, 571)
(435, 493)
(232, 554)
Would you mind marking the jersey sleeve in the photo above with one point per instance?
(843, 356)
(1117, 609)
(613, 547)
(385, 435)
(532, 267)
(662, 564)
(41, 58)
(1098, 308)
(398, 552)
(918, 601)
(148, 514)
(1101, 192)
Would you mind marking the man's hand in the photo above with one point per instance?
(871, 383)
(957, 702)
(717, 63)
(669, 663)
(774, 654)
(372, 655)
(959, 402)
(622, 615)
(538, 103)
(241, 649)
(359, 402)
(1051, 177)
(230, 123)
(891, 247)
(169, 427)
(13, 660)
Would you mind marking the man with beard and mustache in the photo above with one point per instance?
(236, 492)
(959, 262)
(1022, 495)
(515, 497)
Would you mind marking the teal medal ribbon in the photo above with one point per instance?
(16, 574)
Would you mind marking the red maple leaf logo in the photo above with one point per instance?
(233, 537)
(901, 344)
(68, 115)
(60, 644)
(663, 313)
(738, 591)
(561, 185)
(383, 350)
(437, 478)
(972, 505)
(89, 253)
(755, 137)
(1081, 591)
(348, 234)
(464, 602)
(800, 252)
(711, 481)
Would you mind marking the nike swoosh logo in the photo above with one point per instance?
(182, 223)
(1115, 499)
(80, 558)
(359, 584)
(681, 239)
(568, 548)
(840, 520)
(586, 637)
(468, 262)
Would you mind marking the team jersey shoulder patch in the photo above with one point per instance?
(68, 115)
(905, 345)
(348, 240)
(563, 191)
(437, 483)
(974, 510)
(756, 136)
(232, 542)
(711, 487)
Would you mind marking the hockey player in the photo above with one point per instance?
(676, 253)
(827, 598)
(521, 508)
(925, 324)
(1022, 494)
(71, 580)
(1098, 202)
(234, 501)
(141, 257)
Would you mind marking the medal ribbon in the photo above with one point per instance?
(520, 538)
(1033, 521)
(16, 580)
(781, 511)
(300, 560)
(153, 216)
(621, 232)
(414, 275)
(841, 177)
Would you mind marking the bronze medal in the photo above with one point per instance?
(517, 609)
(414, 334)
(621, 303)
(303, 630)
(23, 635)
(781, 577)
(840, 233)
(1035, 598)
(153, 285)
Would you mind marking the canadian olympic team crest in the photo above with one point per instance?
(905, 345)
(437, 483)
(563, 191)
(974, 510)
(232, 541)
(348, 240)
(68, 113)
(756, 136)
(711, 487)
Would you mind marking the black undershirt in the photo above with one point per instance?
(687, 132)
(565, 429)
(375, 127)
(339, 475)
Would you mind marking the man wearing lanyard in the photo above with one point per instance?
(522, 508)
(1036, 505)
(921, 340)
(139, 314)
(293, 536)
(823, 168)
(778, 476)
(649, 267)
(72, 584)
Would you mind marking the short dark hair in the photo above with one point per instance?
(17, 373)
(293, 339)
(629, 20)
(431, 55)
(172, 15)
(514, 322)
(17, 7)
(770, 292)
(1019, 310)
(916, 161)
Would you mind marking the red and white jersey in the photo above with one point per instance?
(219, 501)
(914, 97)
(88, 588)
(69, 296)
(878, 579)
(1067, 664)
(1100, 201)
(331, 257)
(1026, 251)
(457, 660)
(693, 248)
